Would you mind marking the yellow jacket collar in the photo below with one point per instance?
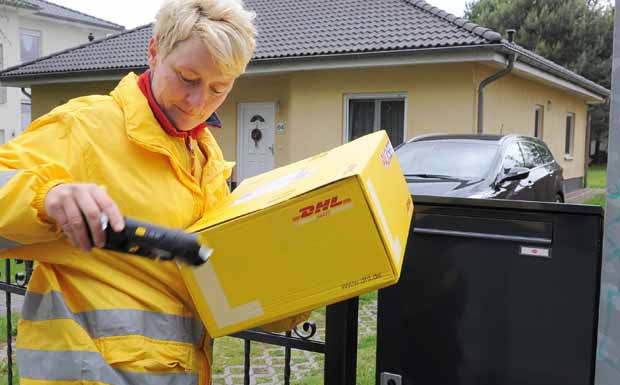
(142, 127)
(140, 122)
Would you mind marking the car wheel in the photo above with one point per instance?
(559, 198)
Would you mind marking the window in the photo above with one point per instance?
(459, 159)
(545, 153)
(513, 157)
(531, 155)
(26, 115)
(538, 121)
(29, 44)
(366, 114)
(570, 134)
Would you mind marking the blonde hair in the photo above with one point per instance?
(224, 26)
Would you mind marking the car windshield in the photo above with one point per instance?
(447, 158)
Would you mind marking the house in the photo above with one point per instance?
(326, 72)
(30, 29)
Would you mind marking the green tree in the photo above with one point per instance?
(577, 34)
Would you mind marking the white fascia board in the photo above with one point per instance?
(328, 62)
(532, 73)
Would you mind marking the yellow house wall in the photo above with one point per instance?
(317, 102)
(440, 98)
(510, 104)
(49, 96)
(310, 104)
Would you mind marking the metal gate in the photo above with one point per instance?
(339, 348)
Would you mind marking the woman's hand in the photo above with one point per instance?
(71, 204)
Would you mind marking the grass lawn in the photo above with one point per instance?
(15, 268)
(228, 351)
(597, 176)
(598, 200)
(4, 373)
(14, 320)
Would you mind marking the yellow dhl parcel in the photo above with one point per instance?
(309, 234)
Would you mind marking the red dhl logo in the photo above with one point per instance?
(322, 208)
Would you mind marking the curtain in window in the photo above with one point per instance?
(29, 45)
(393, 119)
(361, 117)
(568, 146)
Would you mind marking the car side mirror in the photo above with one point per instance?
(515, 173)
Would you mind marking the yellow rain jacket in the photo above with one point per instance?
(105, 317)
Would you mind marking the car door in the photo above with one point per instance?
(538, 180)
(515, 190)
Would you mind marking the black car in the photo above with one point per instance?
(482, 166)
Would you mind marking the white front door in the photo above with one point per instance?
(255, 139)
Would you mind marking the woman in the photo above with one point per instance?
(96, 316)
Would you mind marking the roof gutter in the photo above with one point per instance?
(528, 58)
(511, 63)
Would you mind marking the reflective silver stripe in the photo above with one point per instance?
(8, 244)
(5, 177)
(71, 365)
(116, 322)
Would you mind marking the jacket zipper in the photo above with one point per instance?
(192, 155)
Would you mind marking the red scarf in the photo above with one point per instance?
(144, 82)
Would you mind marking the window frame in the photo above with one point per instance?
(505, 153)
(378, 97)
(33, 33)
(21, 114)
(539, 121)
(571, 137)
(545, 152)
(523, 144)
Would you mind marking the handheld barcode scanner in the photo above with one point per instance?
(155, 242)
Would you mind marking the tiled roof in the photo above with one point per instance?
(305, 28)
(125, 51)
(45, 8)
